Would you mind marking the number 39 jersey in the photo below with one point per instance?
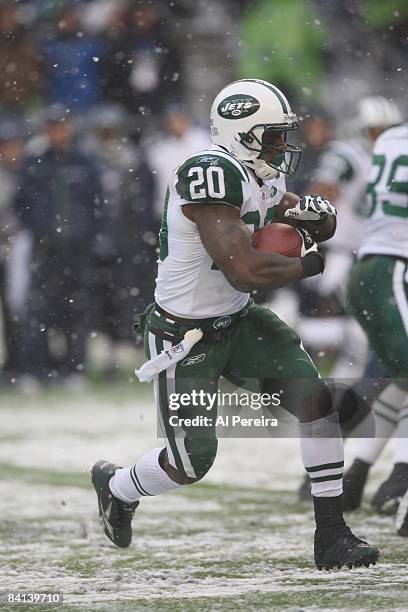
(189, 284)
(386, 229)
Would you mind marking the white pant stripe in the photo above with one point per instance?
(399, 292)
(179, 432)
(305, 351)
(153, 353)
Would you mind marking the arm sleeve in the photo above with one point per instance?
(210, 179)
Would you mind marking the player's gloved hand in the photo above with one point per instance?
(312, 257)
(311, 208)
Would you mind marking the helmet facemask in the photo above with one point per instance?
(264, 138)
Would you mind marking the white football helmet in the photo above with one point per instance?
(377, 111)
(241, 115)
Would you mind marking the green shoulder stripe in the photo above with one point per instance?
(337, 163)
(348, 172)
(211, 177)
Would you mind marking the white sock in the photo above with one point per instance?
(146, 478)
(401, 450)
(321, 446)
(385, 411)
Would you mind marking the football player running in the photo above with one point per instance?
(207, 266)
(378, 295)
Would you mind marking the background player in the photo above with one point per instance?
(341, 176)
(378, 298)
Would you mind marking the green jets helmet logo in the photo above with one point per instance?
(238, 106)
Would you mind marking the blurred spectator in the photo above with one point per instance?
(58, 201)
(126, 255)
(167, 149)
(209, 38)
(135, 238)
(72, 59)
(316, 129)
(388, 21)
(11, 146)
(366, 50)
(100, 14)
(142, 68)
(283, 42)
(21, 78)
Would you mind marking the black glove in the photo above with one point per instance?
(312, 259)
(313, 263)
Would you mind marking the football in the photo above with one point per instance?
(278, 238)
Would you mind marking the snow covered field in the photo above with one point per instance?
(239, 540)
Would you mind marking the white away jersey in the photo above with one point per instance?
(189, 284)
(386, 229)
(346, 165)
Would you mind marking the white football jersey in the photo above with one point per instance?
(386, 228)
(189, 284)
(346, 164)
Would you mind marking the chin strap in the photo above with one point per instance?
(261, 169)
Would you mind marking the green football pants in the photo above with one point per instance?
(256, 345)
(378, 297)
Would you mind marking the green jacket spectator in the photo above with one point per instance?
(282, 42)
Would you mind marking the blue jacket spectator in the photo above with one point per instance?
(58, 202)
(58, 195)
(72, 62)
(142, 69)
(126, 262)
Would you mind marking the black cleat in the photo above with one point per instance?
(401, 521)
(304, 491)
(334, 548)
(354, 481)
(116, 515)
(388, 496)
